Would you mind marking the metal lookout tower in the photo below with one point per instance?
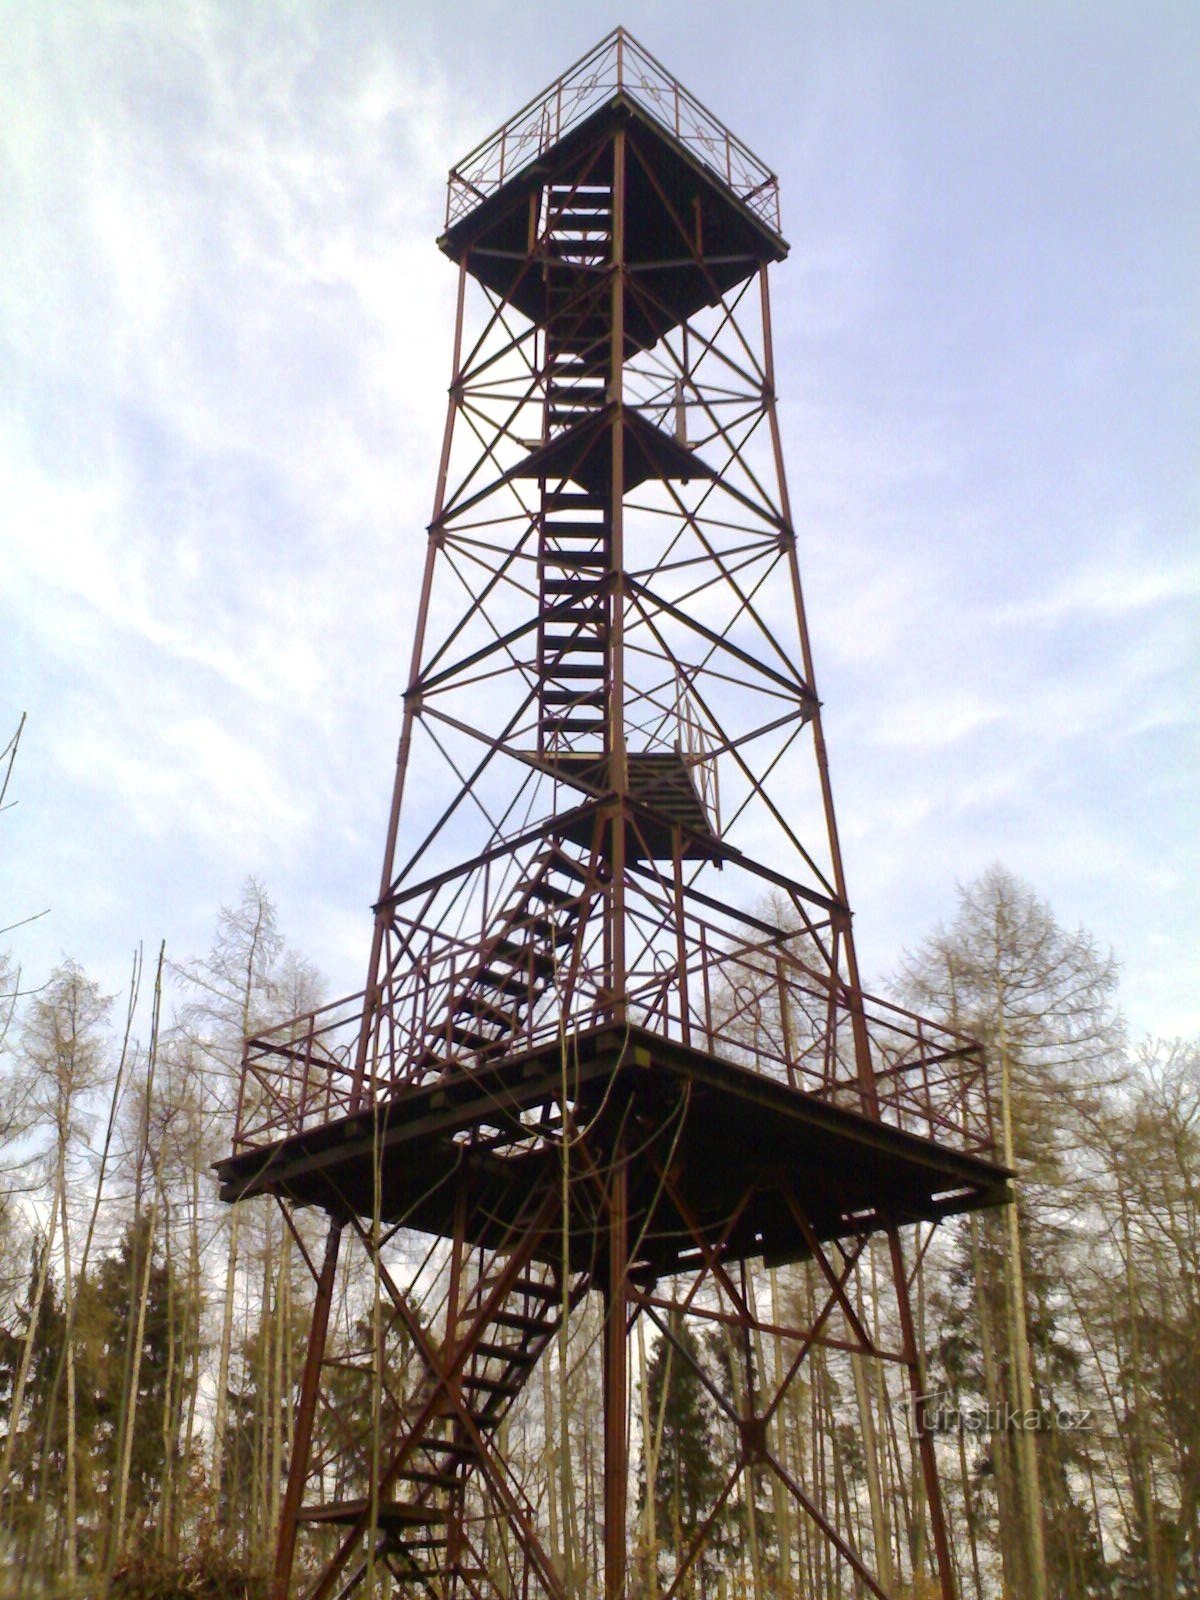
(613, 1059)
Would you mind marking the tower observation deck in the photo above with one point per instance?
(613, 1056)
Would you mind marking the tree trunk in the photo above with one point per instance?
(129, 1409)
(1018, 1339)
(72, 1414)
(27, 1344)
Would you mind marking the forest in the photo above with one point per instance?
(151, 1339)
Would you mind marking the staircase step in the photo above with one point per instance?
(545, 933)
(523, 1323)
(586, 204)
(434, 1480)
(392, 1513)
(515, 1355)
(526, 956)
(563, 659)
(537, 1289)
(505, 983)
(583, 247)
(592, 345)
(557, 933)
(492, 1386)
(571, 725)
(562, 656)
(430, 1061)
(572, 500)
(469, 1038)
(459, 1449)
(573, 643)
(590, 377)
(594, 542)
(579, 247)
(581, 699)
(575, 528)
(572, 587)
(564, 614)
(576, 405)
(475, 1005)
(551, 894)
(573, 367)
(531, 1288)
(559, 861)
(559, 418)
(680, 807)
(590, 670)
(574, 560)
(589, 387)
(569, 367)
(569, 416)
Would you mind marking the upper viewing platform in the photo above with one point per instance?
(618, 67)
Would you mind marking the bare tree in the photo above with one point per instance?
(62, 1054)
(1043, 1002)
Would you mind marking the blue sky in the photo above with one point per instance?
(224, 346)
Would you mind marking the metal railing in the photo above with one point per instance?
(666, 718)
(694, 744)
(617, 65)
(742, 996)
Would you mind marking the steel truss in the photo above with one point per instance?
(613, 1045)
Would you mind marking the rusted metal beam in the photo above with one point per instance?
(603, 701)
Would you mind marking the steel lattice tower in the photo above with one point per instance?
(613, 1046)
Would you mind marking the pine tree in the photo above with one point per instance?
(690, 1465)
(1041, 999)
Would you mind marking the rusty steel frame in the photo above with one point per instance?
(618, 64)
(610, 612)
(711, 1293)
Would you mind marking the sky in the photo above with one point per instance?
(225, 337)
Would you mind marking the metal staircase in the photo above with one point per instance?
(575, 530)
(443, 1446)
(493, 999)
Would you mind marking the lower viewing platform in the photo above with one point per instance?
(721, 1152)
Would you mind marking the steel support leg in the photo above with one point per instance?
(916, 1367)
(616, 1387)
(285, 1550)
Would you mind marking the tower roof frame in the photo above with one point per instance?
(619, 66)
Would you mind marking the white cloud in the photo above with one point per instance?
(1109, 589)
(936, 720)
(225, 341)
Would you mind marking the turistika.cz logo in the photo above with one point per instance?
(936, 1413)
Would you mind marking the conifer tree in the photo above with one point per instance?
(1042, 1001)
(690, 1464)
